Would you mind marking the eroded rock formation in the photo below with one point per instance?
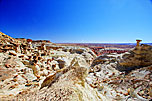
(29, 68)
(41, 71)
(124, 76)
(138, 57)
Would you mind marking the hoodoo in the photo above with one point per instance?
(138, 42)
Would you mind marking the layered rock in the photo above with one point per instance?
(136, 58)
(124, 76)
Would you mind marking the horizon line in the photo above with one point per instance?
(100, 42)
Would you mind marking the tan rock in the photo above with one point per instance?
(138, 57)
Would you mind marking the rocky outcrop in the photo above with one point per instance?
(68, 87)
(138, 57)
(36, 71)
(14, 75)
(63, 84)
(39, 70)
(116, 85)
(124, 76)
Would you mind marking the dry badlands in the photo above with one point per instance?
(43, 71)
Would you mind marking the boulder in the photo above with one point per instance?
(104, 59)
(61, 63)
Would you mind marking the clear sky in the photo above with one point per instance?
(78, 20)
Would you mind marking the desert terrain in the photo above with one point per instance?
(39, 70)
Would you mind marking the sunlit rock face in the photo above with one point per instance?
(14, 75)
(136, 58)
(116, 85)
(40, 70)
(124, 76)
(70, 86)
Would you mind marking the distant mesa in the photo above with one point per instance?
(41, 41)
(30, 40)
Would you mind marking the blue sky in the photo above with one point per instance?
(78, 20)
